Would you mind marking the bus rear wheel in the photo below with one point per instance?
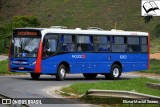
(89, 76)
(115, 72)
(35, 76)
(61, 72)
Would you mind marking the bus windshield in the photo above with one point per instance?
(25, 46)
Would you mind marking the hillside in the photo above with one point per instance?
(79, 13)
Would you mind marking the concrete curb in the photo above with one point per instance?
(69, 94)
(120, 94)
(60, 93)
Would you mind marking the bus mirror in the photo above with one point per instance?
(6, 41)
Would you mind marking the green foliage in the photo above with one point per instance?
(17, 22)
(155, 42)
(147, 19)
(24, 21)
(80, 13)
(156, 31)
(4, 68)
(76, 13)
(136, 84)
(154, 67)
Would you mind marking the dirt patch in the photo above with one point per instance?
(148, 75)
(155, 56)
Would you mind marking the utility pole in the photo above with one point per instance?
(115, 24)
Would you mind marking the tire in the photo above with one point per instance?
(89, 76)
(61, 72)
(35, 76)
(115, 72)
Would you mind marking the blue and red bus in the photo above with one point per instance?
(58, 50)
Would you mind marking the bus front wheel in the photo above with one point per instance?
(35, 76)
(61, 72)
(115, 72)
(89, 76)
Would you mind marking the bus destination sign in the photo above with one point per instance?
(27, 33)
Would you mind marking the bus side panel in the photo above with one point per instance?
(131, 62)
(79, 63)
(50, 64)
(90, 63)
(95, 62)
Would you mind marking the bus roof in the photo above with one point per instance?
(88, 32)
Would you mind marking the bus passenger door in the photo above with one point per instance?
(50, 44)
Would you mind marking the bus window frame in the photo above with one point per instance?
(58, 51)
(93, 50)
(144, 44)
(124, 36)
(14, 35)
(57, 48)
(129, 44)
(76, 49)
(60, 37)
(102, 44)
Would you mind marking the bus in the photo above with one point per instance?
(59, 50)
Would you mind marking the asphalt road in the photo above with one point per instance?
(24, 87)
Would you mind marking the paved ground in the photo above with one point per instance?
(24, 87)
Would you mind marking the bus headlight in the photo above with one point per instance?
(33, 63)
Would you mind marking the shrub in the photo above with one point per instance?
(17, 22)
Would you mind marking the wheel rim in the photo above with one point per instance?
(62, 72)
(115, 72)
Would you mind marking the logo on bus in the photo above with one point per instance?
(79, 56)
(123, 56)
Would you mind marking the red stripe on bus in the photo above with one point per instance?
(9, 68)
(149, 51)
(39, 59)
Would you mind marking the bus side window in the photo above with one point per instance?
(119, 44)
(84, 43)
(144, 44)
(129, 49)
(103, 43)
(134, 44)
(64, 47)
(68, 43)
(79, 48)
(50, 43)
(89, 47)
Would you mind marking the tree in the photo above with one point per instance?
(156, 31)
(147, 19)
(17, 22)
(24, 21)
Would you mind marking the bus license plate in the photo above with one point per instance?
(21, 67)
